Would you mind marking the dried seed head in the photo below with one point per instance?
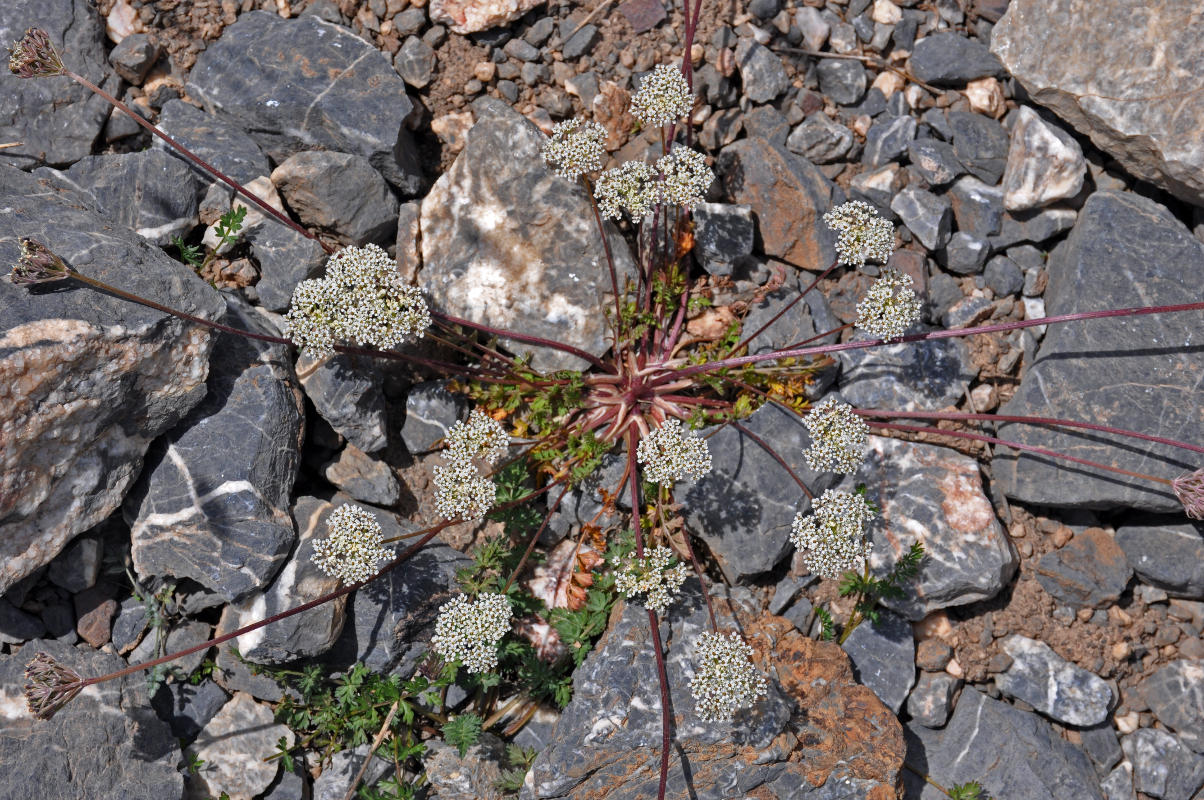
(652, 576)
(353, 548)
(838, 437)
(890, 307)
(832, 539)
(631, 187)
(33, 56)
(481, 437)
(461, 492)
(37, 265)
(685, 176)
(663, 97)
(468, 630)
(863, 234)
(668, 456)
(725, 678)
(575, 148)
(50, 685)
(1189, 489)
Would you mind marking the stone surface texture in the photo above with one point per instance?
(1169, 556)
(1125, 74)
(1176, 696)
(883, 656)
(472, 16)
(1052, 685)
(1163, 767)
(234, 746)
(1044, 164)
(1090, 571)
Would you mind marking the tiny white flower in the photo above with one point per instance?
(461, 492)
(663, 97)
(631, 187)
(832, 538)
(838, 437)
(890, 306)
(652, 576)
(575, 148)
(668, 456)
(724, 679)
(468, 631)
(480, 437)
(354, 545)
(863, 234)
(685, 176)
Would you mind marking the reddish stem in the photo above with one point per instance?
(540, 341)
(788, 306)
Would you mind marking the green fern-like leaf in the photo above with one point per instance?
(462, 732)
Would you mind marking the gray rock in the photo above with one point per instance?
(56, 119)
(16, 626)
(187, 708)
(925, 214)
(1163, 767)
(480, 262)
(1032, 226)
(1044, 164)
(133, 56)
(1066, 60)
(873, 105)
(761, 71)
(584, 86)
(934, 161)
(764, 121)
(1074, 373)
(950, 59)
(722, 128)
(363, 477)
(339, 193)
(1102, 746)
(87, 364)
(980, 143)
(1090, 571)
(150, 192)
(304, 83)
(931, 701)
(883, 656)
(966, 312)
(820, 139)
(744, 507)
(934, 495)
(521, 49)
(1119, 783)
(581, 42)
(813, 26)
(215, 139)
(77, 567)
(788, 194)
(409, 258)
(1003, 276)
(802, 322)
(723, 235)
(842, 79)
(235, 747)
(1052, 685)
(335, 780)
(938, 121)
(469, 777)
(285, 259)
(922, 375)
(415, 61)
(584, 503)
(965, 254)
(408, 22)
(878, 187)
(944, 293)
(887, 140)
(131, 622)
(104, 741)
(1012, 753)
(183, 635)
(348, 392)
(431, 410)
(212, 501)
(977, 207)
(1176, 696)
(1168, 556)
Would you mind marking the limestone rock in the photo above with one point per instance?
(1052, 685)
(472, 16)
(1176, 696)
(340, 193)
(234, 746)
(1090, 571)
(1044, 164)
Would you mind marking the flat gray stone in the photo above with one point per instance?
(1052, 685)
(820, 140)
(1163, 767)
(844, 80)
(946, 58)
(1176, 696)
(887, 140)
(1168, 556)
(921, 375)
(980, 143)
(883, 657)
(285, 259)
(931, 701)
(348, 392)
(215, 139)
(1124, 74)
(431, 411)
(977, 207)
(925, 214)
(1091, 571)
(934, 161)
(723, 234)
(1044, 164)
(362, 477)
(339, 193)
(965, 254)
(1120, 241)
(761, 71)
(235, 747)
(187, 708)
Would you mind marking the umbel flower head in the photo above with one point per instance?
(832, 539)
(685, 176)
(890, 307)
(1189, 489)
(362, 299)
(863, 234)
(652, 576)
(725, 678)
(838, 437)
(481, 437)
(663, 97)
(461, 492)
(353, 548)
(33, 56)
(468, 630)
(575, 148)
(37, 265)
(668, 456)
(632, 187)
(49, 685)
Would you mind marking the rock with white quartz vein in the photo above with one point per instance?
(1052, 685)
(1044, 164)
(471, 16)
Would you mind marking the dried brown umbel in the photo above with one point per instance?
(38, 265)
(50, 685)
(1189, 489)
(33, 56)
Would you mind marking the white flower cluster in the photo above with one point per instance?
(575, 148)
(663, 97)
(668, 456)
(832, 539)
(685, 176)
(631, 187)
(652, 576)
(863, 234)
(461, 491)
(353, 548)
(838, 437)
(468, 630)
(725, 679)
(362, 299)
(890, 307)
